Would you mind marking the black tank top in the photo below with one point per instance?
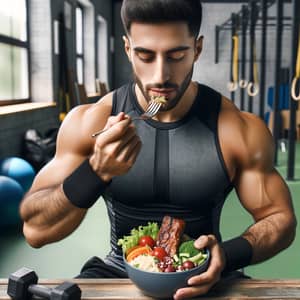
(179, 171)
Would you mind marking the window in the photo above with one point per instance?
(14, 52)
(102, 54)
(79, 44)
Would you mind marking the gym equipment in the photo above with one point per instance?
(293, 104)
(234, 72)
(38, 148)
(11, 194)
(18, 169)
(22, 285)
(243, 82)
(263, 57)
(277, 79)
(253, 87)
(297, 74)
(283, 101)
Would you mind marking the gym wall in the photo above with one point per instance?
(217, 75)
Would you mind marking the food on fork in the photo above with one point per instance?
(159, 99)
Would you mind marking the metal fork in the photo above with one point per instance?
(151, 111)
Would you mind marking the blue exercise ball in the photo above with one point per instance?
(11, 194)
(18, 169)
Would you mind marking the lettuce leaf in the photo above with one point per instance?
(129, 241)
(188, 247)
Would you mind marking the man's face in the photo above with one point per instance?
(162, 57)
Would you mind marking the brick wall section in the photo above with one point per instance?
(13, 127)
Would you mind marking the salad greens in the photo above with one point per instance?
(129, 241)
(187, 251)
(198, 258)
(188, 247)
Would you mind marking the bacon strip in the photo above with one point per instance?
(170, 234)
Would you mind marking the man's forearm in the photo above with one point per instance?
(48, 216)
(270, 235)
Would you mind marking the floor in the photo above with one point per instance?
(64, 259)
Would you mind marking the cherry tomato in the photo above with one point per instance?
(188, 265)
(169, 269)
(159, 252)
(146, 240)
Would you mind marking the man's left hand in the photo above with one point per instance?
(201, 284)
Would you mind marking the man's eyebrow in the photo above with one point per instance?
(145, 50)
(180, 48)
(141, 49)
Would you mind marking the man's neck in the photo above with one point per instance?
(176, 113)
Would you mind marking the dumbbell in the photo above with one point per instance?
(22, 285)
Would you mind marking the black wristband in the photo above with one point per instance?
(238, 253)
(83, 187)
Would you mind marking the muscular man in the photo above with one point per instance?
(183, 162)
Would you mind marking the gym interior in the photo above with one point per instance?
(58, 54)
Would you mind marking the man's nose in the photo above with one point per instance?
(161, 71)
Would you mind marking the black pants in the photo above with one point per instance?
(97, 268)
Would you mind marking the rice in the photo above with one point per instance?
(145, 262)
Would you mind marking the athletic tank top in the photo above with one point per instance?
(179, 171)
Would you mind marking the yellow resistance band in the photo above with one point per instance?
(233, 85)
(253, 87)
(297, 75)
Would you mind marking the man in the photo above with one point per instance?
(183, 162)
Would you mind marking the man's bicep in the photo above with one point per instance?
(261, 189)
(263, 193)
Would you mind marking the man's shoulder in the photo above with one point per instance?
(234, 115)
(244, 133)
(86, 118)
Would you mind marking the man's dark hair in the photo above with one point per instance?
(158, 11)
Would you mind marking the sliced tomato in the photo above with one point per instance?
(159, 252)
(146, 240)
(137, 252)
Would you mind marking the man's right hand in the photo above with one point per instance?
(116, 149)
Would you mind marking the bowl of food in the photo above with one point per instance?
(159, 260)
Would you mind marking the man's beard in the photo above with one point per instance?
(180, 90)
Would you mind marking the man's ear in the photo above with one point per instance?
(198, 47)
(127, 46)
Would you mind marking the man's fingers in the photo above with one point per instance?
(127, 137)
(216, 265)
(205, 241)
(115, 132)
(189, 292)
(211, 275)
(115, 119)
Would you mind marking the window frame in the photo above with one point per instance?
(79, 56)
(4, 39)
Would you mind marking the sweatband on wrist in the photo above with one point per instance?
(83, 187)
(238, 253)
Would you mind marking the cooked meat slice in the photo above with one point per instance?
(170, 234)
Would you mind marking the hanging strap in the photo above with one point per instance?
(233, 85)
(297, 75)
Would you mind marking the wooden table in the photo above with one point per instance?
(242, 289)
